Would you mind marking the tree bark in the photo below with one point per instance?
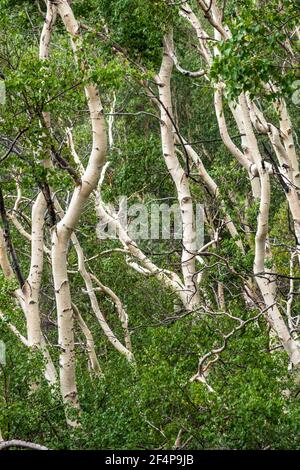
(179, 177)
(62, 232)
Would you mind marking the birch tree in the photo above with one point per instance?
(154, 342)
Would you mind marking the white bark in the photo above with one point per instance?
(170, 279)
(90, 344)
(187, 13)
(284, 148)
(87, 277)
(44, 53)
(62, 233)
(121, 313)
(93, 360)
(178, 175)
(127, 351)
(266, 281)
(32, 319)
(31, 288)
(170, 48)
(252, 161)
(18, 443)
(213, 189)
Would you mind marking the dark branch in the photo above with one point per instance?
(9, 243)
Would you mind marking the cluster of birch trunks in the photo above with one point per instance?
(260, 290)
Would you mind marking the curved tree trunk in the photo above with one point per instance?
(61, 233)
(179, 177)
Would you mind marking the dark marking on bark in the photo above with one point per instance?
(50, 206)
(9, 243)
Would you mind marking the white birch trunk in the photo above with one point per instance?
(33, 318)
(61, 234)
(179, 177)
(31, 288)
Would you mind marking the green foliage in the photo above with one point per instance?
(255, 404)
(138, 25)
(7, 287)
(253, 56)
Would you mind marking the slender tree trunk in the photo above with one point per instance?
(62, 232)
(31, 288)
(179, 177)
